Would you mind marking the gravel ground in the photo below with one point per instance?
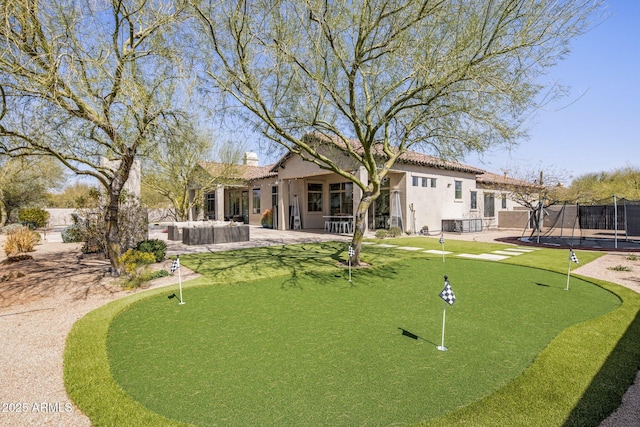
(37, 311)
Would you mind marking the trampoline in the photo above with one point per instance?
(610, 226)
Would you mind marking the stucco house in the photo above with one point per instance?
(421, 192)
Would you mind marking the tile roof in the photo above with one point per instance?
(238, 172)
(489, 178)
(408, 157)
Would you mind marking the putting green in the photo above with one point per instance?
(320, 350)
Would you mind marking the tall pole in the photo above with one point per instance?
(541, 199)
(540, 218)
(568, 274)
(615, 221)
(441, 347)
(180, 284)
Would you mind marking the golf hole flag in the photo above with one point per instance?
(449, 298)
(573, 257)
(175, 265)
(447, 293)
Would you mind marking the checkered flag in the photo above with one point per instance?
(447, 294)
(351, 252)
(175, 265)
(441, 240)
(572, 256)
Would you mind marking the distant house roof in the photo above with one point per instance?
(413, 157)
(488, 178)
(408, 157)
(238, 172)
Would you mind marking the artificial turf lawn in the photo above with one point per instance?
(318, 350)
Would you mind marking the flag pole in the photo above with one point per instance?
(568, 274)
(572, 258)
(447, 296)
(444, 315)
(351, 253)
(180, 284)
(176, 266)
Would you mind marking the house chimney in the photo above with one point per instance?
(250, 159)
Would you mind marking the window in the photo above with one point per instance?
(504, 201)
(415, 181)
(474, 200)
(341, 198)
(211, 205)
(424, 182)
(256, 200)
(458, 187)
(433, 183)
(314, 197)
(274, 195)
(489, 208)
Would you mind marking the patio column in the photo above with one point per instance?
(219, 203)
(283, 204)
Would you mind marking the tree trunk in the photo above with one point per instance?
(112, 233)
(112, 229)
(360, 223)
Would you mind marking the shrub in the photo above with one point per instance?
(143, 277)
(134, 260)
(11, 228)
(632, 257)
(158, 274)
(619, 268)
(395, 232)
(153, 246)
(22, 240)
(382, 233)
(72, 233)
(36, 216)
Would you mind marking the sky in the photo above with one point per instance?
(597, 127)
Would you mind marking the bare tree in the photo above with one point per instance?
(173, 169)
(536, 189)
(86, 80)
(377, 78)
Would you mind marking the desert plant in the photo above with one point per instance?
(23, 240)
(131, 282)
(135, 260)
(382, 233)
(632, 257)
(72, 233)
(36, 216)
(154, 246)
(11, 228)
(619, 268)
(395, 232)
